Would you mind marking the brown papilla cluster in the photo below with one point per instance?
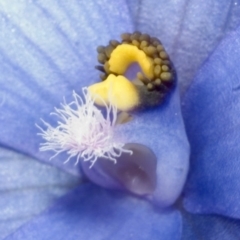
(164, 74)
(153, 48)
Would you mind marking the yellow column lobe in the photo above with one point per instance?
(124, 55)
(115, 90)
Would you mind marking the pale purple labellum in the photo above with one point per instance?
(135, 172)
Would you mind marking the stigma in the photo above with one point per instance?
(152, 83)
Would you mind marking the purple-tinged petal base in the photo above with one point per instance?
(209, 227)
(93, 213)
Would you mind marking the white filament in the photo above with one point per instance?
(83, 132)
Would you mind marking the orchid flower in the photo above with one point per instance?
(47, 51)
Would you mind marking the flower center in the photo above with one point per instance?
(151, 84)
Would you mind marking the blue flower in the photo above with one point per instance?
(47, 50)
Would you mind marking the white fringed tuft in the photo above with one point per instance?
(83, 132)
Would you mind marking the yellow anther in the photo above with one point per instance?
(117, 91)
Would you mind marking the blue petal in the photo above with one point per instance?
(47, 50)
(134, 7)
(211, 111)
(93, 213)
(162, 130)
(189, 29)
(209, 227)
(27, 187)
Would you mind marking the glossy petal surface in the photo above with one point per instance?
(211, 111)
(47, 50)
(90, 212)
(27, 187)
(188, 28)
